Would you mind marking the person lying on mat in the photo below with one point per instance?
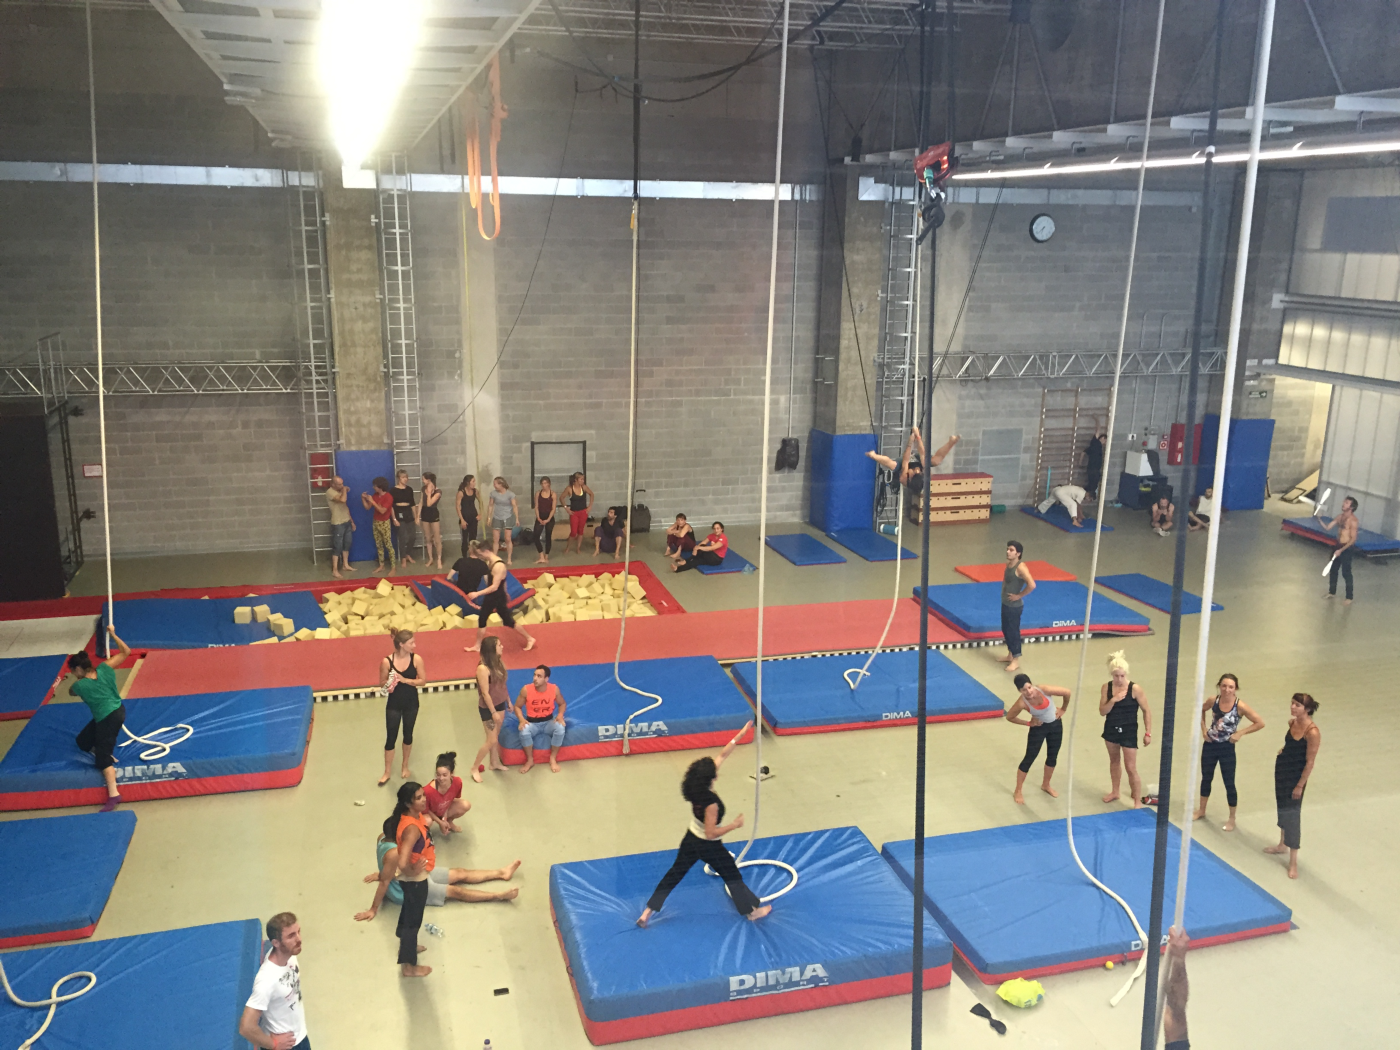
(1072, 497)
(1201, 510)
(911, 471)
(444, 884)
(539, 710)
(1046, 727)
(680, 539)
(702, 840)
(710, 551)
(607, 537)
(97, 687)
(1163, 515)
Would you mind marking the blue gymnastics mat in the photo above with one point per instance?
(808, 695)
(25, 682)
(441, 592)
(242, 741)
(733, 562)
(200, 623)
(1367, 542)
(1059, 517)
(1153, 592)
(700, 707)
(81, 856)
(843, 934)
(190, 984)
(975, 609)
(1016, 905)
(870, 545)
(802, 549)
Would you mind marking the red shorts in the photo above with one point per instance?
(577, 520)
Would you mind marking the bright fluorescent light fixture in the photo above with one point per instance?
(366, 50)
(1233, 157)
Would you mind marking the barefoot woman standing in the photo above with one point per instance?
(1294, 764)
(400, 675)
(1119, 703)
(493, 700)
(1046, 727)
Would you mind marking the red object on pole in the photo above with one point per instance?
(321, 469)
(934, 165)
(1176, 453)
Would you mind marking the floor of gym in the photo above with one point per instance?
(306, 849)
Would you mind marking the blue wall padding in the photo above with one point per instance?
(359, 469)
(81, 857)
(1012, 899)
(1246, 464)
(843, 481)
(848, 913)
(195, 981)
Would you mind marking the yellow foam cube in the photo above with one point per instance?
(454, 609)
(282, 626)
(262, 613)
(384, 588)
(290, 638)
(303, 634)
(544, 581)
(589, 614)
(360, 607)
(243, 614)
(321, 632)
(264, 641)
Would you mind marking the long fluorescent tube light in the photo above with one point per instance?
(1199, 157)
(366, 51)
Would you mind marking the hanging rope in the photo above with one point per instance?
(473, 134)
(862, 672)
(1098, 523)
(1251, 178)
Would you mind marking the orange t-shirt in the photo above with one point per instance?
(540, 703)
(423, 847)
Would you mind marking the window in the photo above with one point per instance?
(1000, 455)
(557, 461)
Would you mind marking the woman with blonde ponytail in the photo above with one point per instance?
(1120, 699)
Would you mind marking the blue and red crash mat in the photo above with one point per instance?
(844, 934)
(1016, 905)
(443, 592)
(1367, 542)
(1055, 607)
(700, 707)
(82, 855)
(204, 623)
(182, 988)
(26, 682)
(809, 695)
(242, 741)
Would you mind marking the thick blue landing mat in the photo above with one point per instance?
(697, 698)
(802, 549)
(200, 623)
(1059, 517)
(79, 858)
(1153, 592)
(441, 592)
(975, 608)
(733, 562)
(25, 681)
(247, 733)
(809, 692)
(870, 545)
(848, 914)
(1013, 900)
(182, 988)
(1367, 541)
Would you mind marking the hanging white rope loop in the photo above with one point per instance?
(1098, 523)
(754, 863)
(52, 1001)
(157, 749)
(861, 673)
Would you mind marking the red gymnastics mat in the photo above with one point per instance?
(1040, 570)
(351, 664)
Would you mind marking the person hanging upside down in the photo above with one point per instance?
(1221, 722)
(710, 551)
(702, 840)
(1046, 727)
(444, 794)
(97, 687)
(1119, 702)
(911, 471)
(444, 884)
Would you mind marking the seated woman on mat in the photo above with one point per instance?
(680, 539)
(701, 841)
(97, 687)
(1046, 727)
(444, 794)
(709, 552)
(911, 474)
(1119, 702)
(607, 537)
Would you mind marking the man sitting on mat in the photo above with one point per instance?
(710, 551)
(1073, 497)
(540, 710)
(1163, 515)
(608, 535)
(1200, 511)
(97, 687)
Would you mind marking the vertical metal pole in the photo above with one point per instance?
(1015, 78)
(1117, 62)
(1188, 475)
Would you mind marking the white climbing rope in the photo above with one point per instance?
(1251, 175)
(52, 1002)
(861, 673)
(1098, 523)
(157, 749)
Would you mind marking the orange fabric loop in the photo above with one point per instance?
(473, 135)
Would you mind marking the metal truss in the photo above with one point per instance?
(867, 24)
(153, 378)
(1075, 364)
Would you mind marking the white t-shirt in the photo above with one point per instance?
(277, 993)
(1206, 506)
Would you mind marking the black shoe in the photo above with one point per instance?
(982, 1011)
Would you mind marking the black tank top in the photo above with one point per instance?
(709, 799)
(1124, 712)
(404, 694)
(468, 506)
(1288, 766)
(544, 507)
(429, 513)
(578, 500)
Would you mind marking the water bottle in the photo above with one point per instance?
(435, 930)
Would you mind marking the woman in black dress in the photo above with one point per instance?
(468, 511)
(405, 517)
(430, 518)
(1120, 699)
(1294, 764)
(702, 840)
(400, 675)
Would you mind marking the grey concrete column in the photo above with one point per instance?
(352, 259)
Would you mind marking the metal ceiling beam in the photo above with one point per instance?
(159, 378)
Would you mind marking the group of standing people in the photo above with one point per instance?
(398, 514)
(501, 508)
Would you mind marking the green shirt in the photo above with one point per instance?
(100, 693)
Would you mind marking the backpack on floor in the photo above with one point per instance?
(641, 518)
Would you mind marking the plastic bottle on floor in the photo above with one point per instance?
(435, 930)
